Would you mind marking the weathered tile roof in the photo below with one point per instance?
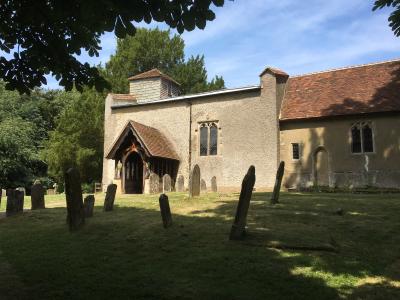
(123, 97)
(349, 91)
(274, 71)
(154, 73)
(154, 142)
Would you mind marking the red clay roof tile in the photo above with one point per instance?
(154, 73)
(123, 97)
(154, 142)
(355, 90)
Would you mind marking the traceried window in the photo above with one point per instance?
(208, 139)
(362, 138)
(368, 140)
(295, 151)
(213, 139)
(203, 140)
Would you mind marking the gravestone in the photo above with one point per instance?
(194, 182)
(21, 189)
(203, 185)
(180, 184)
(73, 194)
(3, 194)
(278, 183)
(167, 184)
(154, 181)
(238, 230)
(88, 205)
(214, 188)
(110, 197)
(165, 211)
(37, 196)
(15, 202)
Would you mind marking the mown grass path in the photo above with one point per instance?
(127, 254)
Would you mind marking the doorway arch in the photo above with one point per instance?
(321, 167)
(133, 173)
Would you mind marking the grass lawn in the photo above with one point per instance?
(127, 254)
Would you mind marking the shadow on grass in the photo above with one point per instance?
(128, 254)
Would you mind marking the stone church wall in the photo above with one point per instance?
(247, 136)
(248, 133)
(171, 118)
(378, 169)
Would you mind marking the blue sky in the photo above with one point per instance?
(295, 36)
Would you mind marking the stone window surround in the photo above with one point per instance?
(361, 123)
(208, 124)
(300, 145)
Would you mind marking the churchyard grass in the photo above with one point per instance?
(127, 254)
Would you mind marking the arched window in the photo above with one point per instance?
(362, 138)
(368, 143)
(355, 139)
(203, 140)
(213, 139)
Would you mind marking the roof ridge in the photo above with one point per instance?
(347, 68)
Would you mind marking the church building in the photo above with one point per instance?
(336, 128)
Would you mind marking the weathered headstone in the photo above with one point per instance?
(167, 183)
(37, 196)
(238, 230)
(88, 205)
(154, 181)
(278, 183)
(194, 182)
(180, 184)
(214, 187)
(165, 210)
(203, 185)
(21, 189)
(73, 194)
(15, 202)
(3, 193)
(110, 197)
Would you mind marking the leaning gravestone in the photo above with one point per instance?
(73, 194)
(194, 182)
(167, 184)
(15, 202)
(238, 230)
(88, 205)
(180, 184)
(37, 196)
(203, 185)
(165, 211)
(110, 197)
(214, 188)
(154, 181)
(278, 183)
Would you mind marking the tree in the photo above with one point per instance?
(24, 124)
(19, 161)
(394, 18)
(43, 37)
(77, 141)
(156, 48)
(192, 75)
(148, 49)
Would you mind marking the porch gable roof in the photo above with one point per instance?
(153, 141)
